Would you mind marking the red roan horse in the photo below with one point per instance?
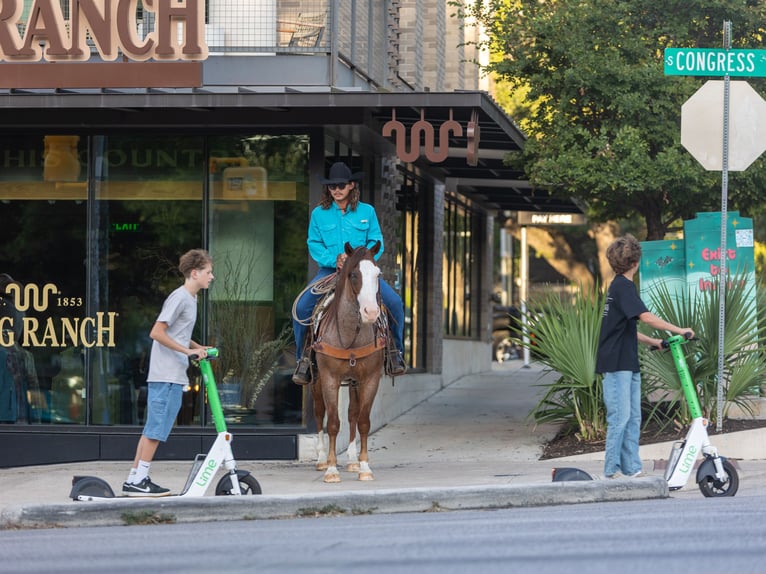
(349, 350)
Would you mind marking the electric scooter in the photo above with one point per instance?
(716, 476)
(235, 482)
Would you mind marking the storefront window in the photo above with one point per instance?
(90, 251)
(258, 246)
(411, 203)
(460, 280)
(147, 210)
(43, 283)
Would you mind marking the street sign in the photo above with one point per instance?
(712, 62)
(702, 125)
(548, 218)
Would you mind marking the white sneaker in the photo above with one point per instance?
(614, 476)
(639, 474)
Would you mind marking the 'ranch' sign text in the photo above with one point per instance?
(112, 26)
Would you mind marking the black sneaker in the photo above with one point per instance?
(144, 488)
(302, 374)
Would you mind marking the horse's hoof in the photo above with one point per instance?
(352, 467)
(332, 477)
(321, 466)
(366, 476)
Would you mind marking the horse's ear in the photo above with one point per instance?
(375, 248)
(348, 249)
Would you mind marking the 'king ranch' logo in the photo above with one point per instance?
(15, 327)
(111, 25)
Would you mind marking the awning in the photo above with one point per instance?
(489, 182)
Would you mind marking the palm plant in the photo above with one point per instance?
(743, 371)
(565, 341)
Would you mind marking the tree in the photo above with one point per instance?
(603, 120)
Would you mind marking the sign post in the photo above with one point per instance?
(726, 63)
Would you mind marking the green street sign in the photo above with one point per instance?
(715, 62)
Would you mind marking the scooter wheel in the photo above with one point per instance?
(247, 484)
(710, 486)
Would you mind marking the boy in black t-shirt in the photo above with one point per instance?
(617, 358)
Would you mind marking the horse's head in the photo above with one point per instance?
(361, 275)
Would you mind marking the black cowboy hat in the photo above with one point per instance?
(341, 173)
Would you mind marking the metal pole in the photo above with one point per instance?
(722, 274)
(505, 266)
(524, 272)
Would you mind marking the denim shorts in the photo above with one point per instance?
(162, 406)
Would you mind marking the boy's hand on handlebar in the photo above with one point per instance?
(687, 333)
(198, 353)
(657, 344)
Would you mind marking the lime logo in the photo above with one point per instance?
(207, 473)
(689, 458)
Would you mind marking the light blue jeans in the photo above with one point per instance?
(622, 397)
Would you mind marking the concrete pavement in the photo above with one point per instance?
(469, 445)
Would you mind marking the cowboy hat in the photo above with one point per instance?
(341, 173)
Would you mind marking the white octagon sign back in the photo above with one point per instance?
(702, 125)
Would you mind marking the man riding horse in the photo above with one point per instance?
(341, 218)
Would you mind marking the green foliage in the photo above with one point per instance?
(565, 339)
(743, 355)
(263, 363)
(603, 119)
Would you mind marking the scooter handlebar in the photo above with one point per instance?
(212, 353)
(688, 336)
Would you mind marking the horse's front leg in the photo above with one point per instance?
(330, 394)
(319, 412)
(366, 398)
(353, 416)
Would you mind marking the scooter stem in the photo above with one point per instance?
(690, 392)
(211, 390)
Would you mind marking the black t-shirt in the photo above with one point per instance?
(618, 342)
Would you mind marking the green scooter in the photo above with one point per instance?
(206, 466)
(716, 476)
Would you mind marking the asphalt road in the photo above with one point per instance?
(678, 535)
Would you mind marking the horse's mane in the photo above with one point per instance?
(352, 261)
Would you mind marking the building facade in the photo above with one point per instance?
(135, 131)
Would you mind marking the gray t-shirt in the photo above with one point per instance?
(179, 311)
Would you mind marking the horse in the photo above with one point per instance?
(349, 348)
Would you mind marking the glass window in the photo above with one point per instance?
(461, 273)
(259, 201)
(412, 260)
(43, 286)
(147, 211)
(91, 251)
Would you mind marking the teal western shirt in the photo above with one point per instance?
(330, 229)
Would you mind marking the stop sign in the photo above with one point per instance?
(702, 125)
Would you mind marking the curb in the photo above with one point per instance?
(120, 512)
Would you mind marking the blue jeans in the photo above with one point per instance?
(308, 301)
(622, 397)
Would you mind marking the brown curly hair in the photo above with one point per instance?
(353, 197)
(193, 259)
(623, 253)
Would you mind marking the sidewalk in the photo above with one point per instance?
(468, 446)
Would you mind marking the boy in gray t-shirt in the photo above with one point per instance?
(171, 347)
